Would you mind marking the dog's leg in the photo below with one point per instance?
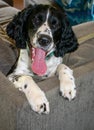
(34, 94)
(67, 82)
(22, 79)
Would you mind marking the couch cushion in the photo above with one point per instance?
(8, 56)
(8, 53)
(6, 13)
(3, 4)
(85, 53)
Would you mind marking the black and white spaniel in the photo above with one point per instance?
(44, 36)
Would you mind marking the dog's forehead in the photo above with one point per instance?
(41, 8)
(44, 8)
(44, 28)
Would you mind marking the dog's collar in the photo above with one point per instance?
(50, 54)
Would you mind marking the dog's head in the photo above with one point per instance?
(45, 27)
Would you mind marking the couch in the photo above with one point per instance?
(15, 112)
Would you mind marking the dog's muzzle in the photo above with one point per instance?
(44, 40)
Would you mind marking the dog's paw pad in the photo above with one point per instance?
(42, 108)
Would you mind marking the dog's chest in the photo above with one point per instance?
(52, 65)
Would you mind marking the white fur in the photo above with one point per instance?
(52, 65)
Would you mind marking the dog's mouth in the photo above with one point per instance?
(38, 56)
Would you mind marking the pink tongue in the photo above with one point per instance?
(39, 66)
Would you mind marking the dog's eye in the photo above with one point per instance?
(38, 19)
(54, 22)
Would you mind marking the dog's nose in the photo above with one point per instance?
(44, 40)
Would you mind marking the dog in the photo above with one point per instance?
(44, 35)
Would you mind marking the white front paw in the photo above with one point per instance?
(67, 82)
(68, 91)
(34, 94)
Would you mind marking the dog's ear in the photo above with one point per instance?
(16, 29)
(68, 41)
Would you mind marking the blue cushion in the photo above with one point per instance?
(78, 11)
